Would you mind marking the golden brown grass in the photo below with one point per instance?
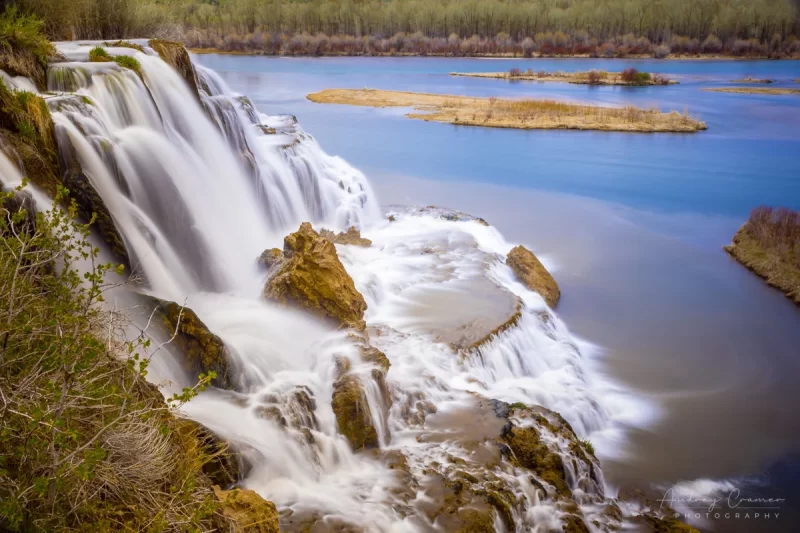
(754, 90)
(591, 77)
(519, 114)
(769, 245)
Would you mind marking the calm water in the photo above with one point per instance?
(635, 223)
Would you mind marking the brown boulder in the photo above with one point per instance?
(530, 271)
(248, 511)
(351, 236)
(353, 414)
(312, 277)
(176, 56)
(203, 350)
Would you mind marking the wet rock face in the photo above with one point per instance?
(530, 271)
(270, 258)
(311, 277)
(178, 58)
(353, 414)
(532, 453)
(203, 350)
(248, 511)
(351, 236)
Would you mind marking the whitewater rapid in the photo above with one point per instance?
(198, 189)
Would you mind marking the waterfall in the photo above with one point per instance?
(199, 188)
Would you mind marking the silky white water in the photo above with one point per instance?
(198, 189)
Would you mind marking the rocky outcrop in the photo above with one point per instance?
(270, 258)
(530, 271)
(178, 58)
(351, 236)
(530, 452)
(248, 511)
(203, 350)
(223, 466)
(353, 414)
(311, 277)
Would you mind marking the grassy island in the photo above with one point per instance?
(629, 76)
(769, 245)
(754, 90)
(519, 114)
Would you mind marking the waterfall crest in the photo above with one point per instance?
(199, 188)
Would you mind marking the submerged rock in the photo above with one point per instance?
(176, 56)
(249, 511)
(530, 271)
(203, 350)
(353, 414)
(351, 236)
(312, 277)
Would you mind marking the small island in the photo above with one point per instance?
(520, 114)
(750, 79)
(754, 90)
(629, 76)
(769, 245)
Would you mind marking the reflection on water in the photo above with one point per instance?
(639, 263)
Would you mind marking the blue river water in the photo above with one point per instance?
(634, 224)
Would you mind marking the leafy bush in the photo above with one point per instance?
(514, 73)
(24, 50)
(85, 442)
(594, 77)
(632, 75)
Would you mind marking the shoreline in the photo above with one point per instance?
(577, 78)
(784, 91)
(677, 57)
(514, 114)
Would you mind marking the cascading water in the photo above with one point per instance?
(198, 189)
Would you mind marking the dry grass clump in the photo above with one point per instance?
(769, 245)
(125, 44)
(629, 76)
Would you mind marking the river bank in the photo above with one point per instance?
(517, 114)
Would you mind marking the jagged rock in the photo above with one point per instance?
(313, 278)
(575, 524)
(351, 236)
(249, 511)
(225, 466)
(530, 271)
(270, 258)
(203, 350)
(175, 55)
(353, 414)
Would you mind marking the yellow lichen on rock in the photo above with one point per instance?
(249, 511)
(312, 277)
(530, 271)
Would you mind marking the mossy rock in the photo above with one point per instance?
(248, 511)
(530, 452)
(574, 524)
(223, 466)
(531, 273)
(353, 414)
(313, 278)
(667, 525)
(203, 350)
(270, 258)
(175, 55)
(476, 521)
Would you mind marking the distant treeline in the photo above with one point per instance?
(461, 27)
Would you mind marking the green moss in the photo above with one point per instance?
(99, 55)
(24, 49)
(129, 62)
(531, 453)
(125, 44)
(475, 521)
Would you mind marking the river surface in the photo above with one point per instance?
(634, 224)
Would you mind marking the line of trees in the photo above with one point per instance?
(462, 27)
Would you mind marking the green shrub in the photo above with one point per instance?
(85, 443)
(98, 54)
(24, 50)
